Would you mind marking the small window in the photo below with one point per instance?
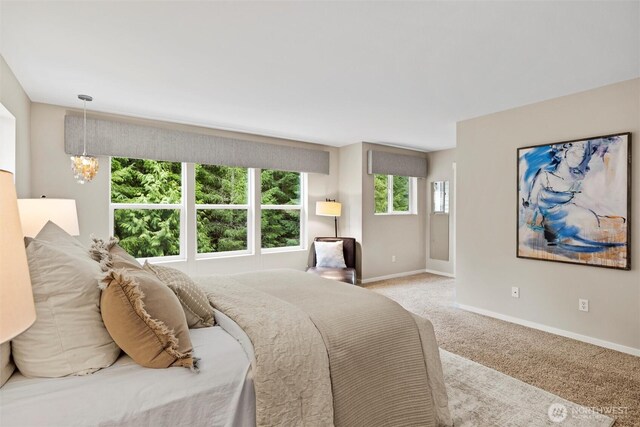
(281, 208)
(146, 206)
(222, 206)
(440, 197)
(393, 194)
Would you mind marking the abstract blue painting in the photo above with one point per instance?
(574, 201)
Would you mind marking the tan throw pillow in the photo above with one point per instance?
(193, 299)
(6, 364)
(121, 258)
(145, 319)
(68, 336)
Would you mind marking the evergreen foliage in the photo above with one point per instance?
(280, 227)
(156, 232)
(145, 181)
(400, 194)
(221, 230)
(147, 232)
(380, 193)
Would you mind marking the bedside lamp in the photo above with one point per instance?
(17, 311)
(330, 208)
(34, 214)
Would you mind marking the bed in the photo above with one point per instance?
(290, 348)
(126, 394)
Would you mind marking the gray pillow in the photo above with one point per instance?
(194, 300)
(329, 254)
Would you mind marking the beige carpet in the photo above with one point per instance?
(588, 375)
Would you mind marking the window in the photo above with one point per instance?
(150, 202)
(281, 207)
(222, 207)
(440, 197)
(146, 206)
(394, 194)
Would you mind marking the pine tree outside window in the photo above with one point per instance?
(183, 211)
(222, 209)
(394, 195)
(147, 207)
(281, 209)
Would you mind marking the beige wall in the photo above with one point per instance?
(14, 99)
(51, 176)
(350, 191)
(380, 236)
(487, 266)
(441, 165)
(350, 195)
(384, 236)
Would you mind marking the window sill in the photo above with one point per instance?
(395, 214)
(267, 251)
(162, 259)
(223, 255)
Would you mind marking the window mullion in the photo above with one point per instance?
(390, 193)
(209, 207)
(189, 236)
(303, 209)
(257, 220)
(146, 205)
(282, 207)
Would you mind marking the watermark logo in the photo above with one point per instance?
(557, 412)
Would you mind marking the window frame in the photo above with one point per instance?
(182, 256)
(188, 217)
(413, 194)
(302, 207)
(249, 206)
(444, 199)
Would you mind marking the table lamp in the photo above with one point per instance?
(34, 214)
(330, 208)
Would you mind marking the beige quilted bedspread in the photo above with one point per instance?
(328, 353)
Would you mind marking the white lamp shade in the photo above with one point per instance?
(17, 311)
(34, 214)
(328, 208)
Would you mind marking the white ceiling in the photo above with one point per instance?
(400, 73)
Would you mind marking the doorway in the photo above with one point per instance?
(7, 140)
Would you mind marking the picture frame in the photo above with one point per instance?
(574, 201)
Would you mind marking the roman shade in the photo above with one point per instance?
(384, 163)
(121, 139)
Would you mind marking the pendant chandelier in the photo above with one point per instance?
(84, 167)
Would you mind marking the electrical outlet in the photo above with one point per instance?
(583, 304)
(393, 258)
(515, 292)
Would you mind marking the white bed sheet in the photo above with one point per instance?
(127, 394)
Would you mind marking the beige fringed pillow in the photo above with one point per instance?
(193, 299)
(145, 319)
(110, 255)
(143, 316)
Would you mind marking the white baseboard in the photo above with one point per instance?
(440, 273)
(552, 330)
(391, 276)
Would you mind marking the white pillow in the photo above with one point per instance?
(329, 254)
(68, 336)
